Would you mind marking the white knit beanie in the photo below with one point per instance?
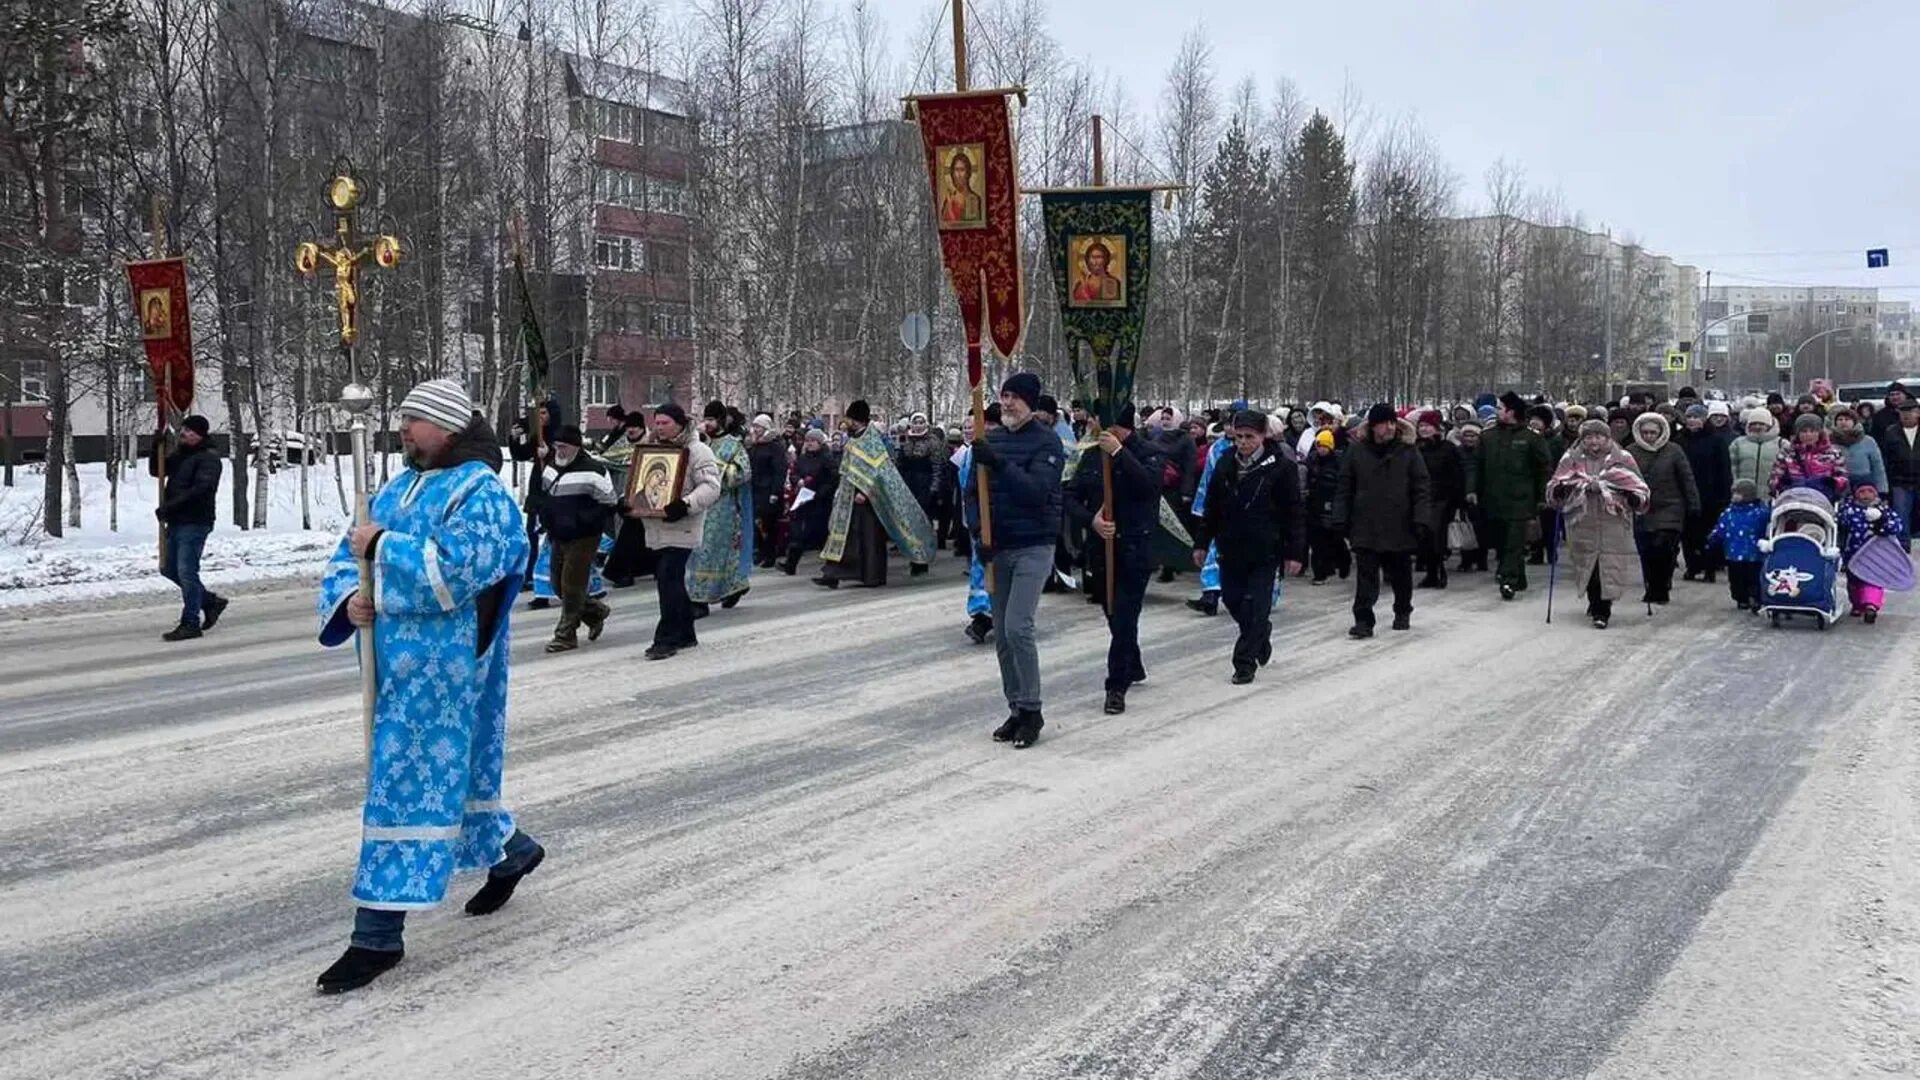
(440, 402)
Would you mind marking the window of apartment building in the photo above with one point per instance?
(612, 120)
(667, 197)
(600, 388)
(619, 253)
(479, 320)
(659, 389)
(33, 380)
(623, 187)
(670, 323)
(668, 132)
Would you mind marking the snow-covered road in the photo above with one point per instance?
(1489, 848)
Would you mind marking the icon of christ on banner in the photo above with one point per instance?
(961, 204)
(156, 314)
(1099, 268)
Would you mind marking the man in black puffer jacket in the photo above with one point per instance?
(1386, 509)
(575, 510)
(1022, 460)
(186, 515)
(1256, 522)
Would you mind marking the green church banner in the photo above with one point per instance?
(1101, 243)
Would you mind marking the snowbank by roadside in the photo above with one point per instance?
(93, 560)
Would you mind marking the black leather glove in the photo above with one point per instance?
(983, 453)
(676, 510)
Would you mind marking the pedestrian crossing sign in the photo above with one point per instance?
(1783, 361)
(1676, 361)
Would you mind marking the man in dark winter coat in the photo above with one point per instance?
(1256, 524)
(1385, 507)
(1709, 455)
(186, 514)
(1509, 483)
(1900, 447)
(1022, 460)
(575, 512)
(1136, 514)
(523, 446)
(1447, 480)
(1887, 417)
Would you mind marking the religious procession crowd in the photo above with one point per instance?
(1613, 498)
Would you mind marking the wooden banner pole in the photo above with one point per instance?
(159, 243)
(1106, 460)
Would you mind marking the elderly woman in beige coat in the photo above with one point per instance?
(1597, 489)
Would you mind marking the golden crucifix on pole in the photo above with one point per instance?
(343, 193)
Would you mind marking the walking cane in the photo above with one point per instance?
(1553, 558)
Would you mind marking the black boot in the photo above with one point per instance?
(211, 611)
(1402, 622)
(1242, 676)
(916, 569)
(183, 632)
(827, 582)
(1116, 703)
(1006, 731)
(356, 968)
(729, 602)
(701, 610)
(499, 887)
(792, 565)
(1208, 604)
(1028, 731)
(1166, 575)
(1431, 581)
(978, 629)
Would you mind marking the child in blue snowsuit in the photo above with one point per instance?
(1738, 534)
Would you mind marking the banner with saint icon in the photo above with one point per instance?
(968, 138)
(160, 311)
(1101, 245)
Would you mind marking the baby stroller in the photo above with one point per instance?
(1802, 569)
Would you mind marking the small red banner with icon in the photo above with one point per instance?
(160, 311)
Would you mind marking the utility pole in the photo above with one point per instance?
(1607, 306)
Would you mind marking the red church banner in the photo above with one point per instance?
(160, 310)
(969, 145)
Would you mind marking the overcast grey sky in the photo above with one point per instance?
(1708, 129)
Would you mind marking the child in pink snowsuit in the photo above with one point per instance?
(1862, 516)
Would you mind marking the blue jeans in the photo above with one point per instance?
(381, 930)
(182, 567)
(1903, 500)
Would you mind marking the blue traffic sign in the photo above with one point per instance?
(1876, 258)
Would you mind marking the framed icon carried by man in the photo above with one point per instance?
(962, 204)
(156, 314)
(659, 473)
(1097, 269)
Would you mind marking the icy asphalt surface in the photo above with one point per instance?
(1684, 847)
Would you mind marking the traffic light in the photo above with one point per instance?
(1709, 374)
